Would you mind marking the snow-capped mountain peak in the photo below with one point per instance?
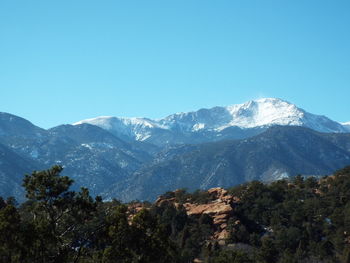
(135, 128)
(186, 127)
(266, 111)
(101, 121)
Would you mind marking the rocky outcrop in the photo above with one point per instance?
(220, 210)
(133, 209)
(219, 207)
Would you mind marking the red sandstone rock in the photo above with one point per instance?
(219, 209)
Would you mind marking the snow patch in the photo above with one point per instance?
(86, 146)
(102, 121)
(281, 175)
(198, 126)
(34, 154)
(123, 164)
(142, 137)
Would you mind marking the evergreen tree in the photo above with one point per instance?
(60, 218)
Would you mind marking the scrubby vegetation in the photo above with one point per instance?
(302, 220)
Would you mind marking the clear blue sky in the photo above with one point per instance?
(63, 61)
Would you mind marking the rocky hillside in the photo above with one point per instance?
(219, 207)
(304, 219)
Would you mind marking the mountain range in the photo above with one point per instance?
(139, 158)
(280, 152)
(218, 123)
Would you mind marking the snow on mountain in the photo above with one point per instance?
(136, 128)
(346, 125)
(265, 112)
(252, 114)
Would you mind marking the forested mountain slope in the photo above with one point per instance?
(278, 153)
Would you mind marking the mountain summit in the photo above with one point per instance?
(231, 122)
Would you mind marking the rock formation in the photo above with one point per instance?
(219, 207)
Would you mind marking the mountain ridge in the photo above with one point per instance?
(203, 144)
(211, 124)
(279, 152)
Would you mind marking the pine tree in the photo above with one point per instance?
(59, 217)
